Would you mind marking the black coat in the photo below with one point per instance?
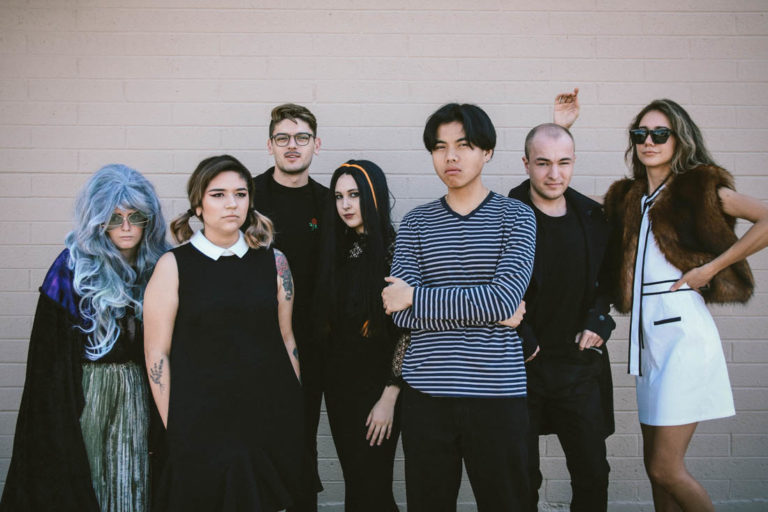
(49, 467)
(595, 314)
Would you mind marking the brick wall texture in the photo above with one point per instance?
(159, 85)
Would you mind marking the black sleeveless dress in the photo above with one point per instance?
(235, 412)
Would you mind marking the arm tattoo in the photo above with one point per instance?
(156, 374)
(284, 271)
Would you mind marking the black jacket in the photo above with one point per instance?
(595, 315)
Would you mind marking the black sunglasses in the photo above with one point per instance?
(658, 135)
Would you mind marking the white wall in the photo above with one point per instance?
(159, 85)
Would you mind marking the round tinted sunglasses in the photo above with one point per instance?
(135, 219)
(658, 135)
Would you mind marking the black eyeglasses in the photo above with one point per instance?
(658, 135)
(282, 139)
(135, 219)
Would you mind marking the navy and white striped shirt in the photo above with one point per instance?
(468, 273)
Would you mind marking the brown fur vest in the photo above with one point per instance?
(690, 227)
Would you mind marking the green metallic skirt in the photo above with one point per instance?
(115, 424)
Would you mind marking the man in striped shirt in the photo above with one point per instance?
(461, 266)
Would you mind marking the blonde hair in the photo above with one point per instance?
(258, 229)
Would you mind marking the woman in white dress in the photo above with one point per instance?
(675, 249)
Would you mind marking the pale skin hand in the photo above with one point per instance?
(382, 415)
(567, 108)
(585, 339)
(397, 296)
(285, 309)
(588, 339)
(161, 302)
(756, 238)
(535, 353)
(515, 319)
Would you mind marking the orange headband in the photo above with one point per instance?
(370, 183)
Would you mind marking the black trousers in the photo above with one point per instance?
(564, 399)
(367, 469)
(488, 434)
(311, 485)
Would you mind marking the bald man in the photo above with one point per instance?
(567, 322)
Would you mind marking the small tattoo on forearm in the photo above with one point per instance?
(296, 353)
(284, 271)
(156, 374)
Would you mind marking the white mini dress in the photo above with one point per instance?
(675, 349)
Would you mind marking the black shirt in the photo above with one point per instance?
(295, 215)
(561, 256)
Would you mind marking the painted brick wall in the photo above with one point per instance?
(159, 85)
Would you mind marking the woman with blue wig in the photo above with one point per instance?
(81, 440)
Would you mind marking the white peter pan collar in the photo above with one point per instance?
(213, 251)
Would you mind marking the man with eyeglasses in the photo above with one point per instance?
(566, 323)
(294, 202)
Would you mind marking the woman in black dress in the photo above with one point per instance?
(221, 355)
(362, 375)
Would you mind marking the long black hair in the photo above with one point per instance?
(378, 242)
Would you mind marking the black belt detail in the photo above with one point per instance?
(661, 282)
(667, 320)
(669, 291)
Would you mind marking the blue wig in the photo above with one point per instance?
(108, 286)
